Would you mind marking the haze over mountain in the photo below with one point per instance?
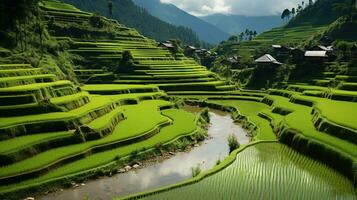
(172, 14)
(234, 24)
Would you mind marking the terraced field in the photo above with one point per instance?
(268, 171)
(52, 129)
(152, 64)
(292, 36)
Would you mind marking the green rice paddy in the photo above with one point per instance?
(268, 171)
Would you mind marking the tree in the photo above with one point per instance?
(285, 14)
(246, 34)
(40, 30)
(341, 8)
(299, 9)
(302, 4)
(311, 2)
(293, 12)
(233, 38)
(353, 6)
(250, 35)
(176, 43)
(96, 21)
(241, 36)
(126, 63)
(110, 8)
(255, 33)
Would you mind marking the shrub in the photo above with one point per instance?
(126, 63)
(218, 161)
(205, 115)
(233, 143)
(196, 170)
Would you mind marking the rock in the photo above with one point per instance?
(83, 184)
(196, 145)
(136, 166)
(29, 198)
(61, 190)
(122, 170)
(127, 168)
(76, 185)
(171, 153)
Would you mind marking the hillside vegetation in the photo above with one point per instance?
(128, 13)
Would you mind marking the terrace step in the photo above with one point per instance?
(21, 72)
(102, 126)
(54, 122)
(14, 66)
(25, 80)
(25, 147)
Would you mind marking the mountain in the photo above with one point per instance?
(131, 15)
(172, 14)
(234, 24)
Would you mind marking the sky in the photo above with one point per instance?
(237, 7)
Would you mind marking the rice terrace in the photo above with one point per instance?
(169, 99)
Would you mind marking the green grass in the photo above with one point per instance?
(268, 171)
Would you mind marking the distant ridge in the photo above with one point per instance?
(172, 14)
(235, 24)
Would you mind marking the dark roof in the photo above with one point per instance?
(323, 48)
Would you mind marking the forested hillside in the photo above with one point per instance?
(126, 12)
(322, 12)
(172, 14)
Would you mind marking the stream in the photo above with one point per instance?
(166, 172)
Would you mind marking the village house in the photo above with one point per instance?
(316, 56)
(280, 50)
(168, 45)
(267, 60)
(297, 55)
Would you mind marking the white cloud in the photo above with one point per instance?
(238, 7)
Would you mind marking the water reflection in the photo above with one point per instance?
(170, 171)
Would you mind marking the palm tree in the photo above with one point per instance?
(110, 8)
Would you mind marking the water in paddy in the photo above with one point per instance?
(167, 172)
(268, 171)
